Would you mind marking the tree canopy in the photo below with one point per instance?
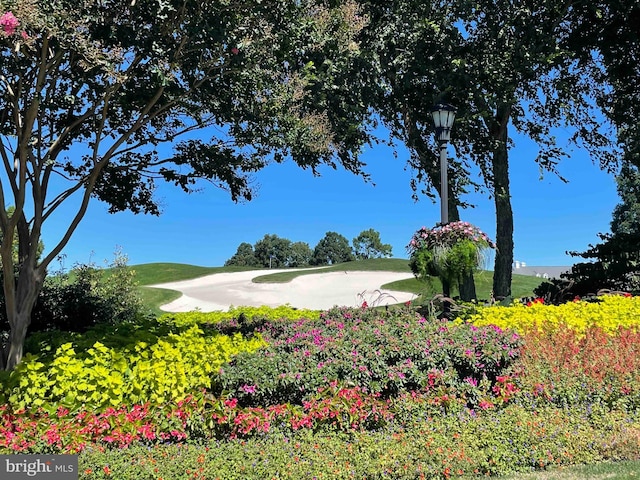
(331, 249)
(104, 99)
(273, 251)
(506, 66)
(244, 257)
(368, 245)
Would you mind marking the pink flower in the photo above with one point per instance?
(248, 388)
(9, 23)
(235, 51)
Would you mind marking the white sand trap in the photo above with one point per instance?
(318, 291)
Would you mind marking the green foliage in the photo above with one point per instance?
(607, 28)
(450, 252)
(331, 249)
(301, 255)
(76, 300)
(441, 447)
(144, 368)
(368, 245)
(283, 312)
(273, 251)
(556, 404)
(244, 257)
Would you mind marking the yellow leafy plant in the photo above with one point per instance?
(168, 370)
(186, 319)
(610, 313)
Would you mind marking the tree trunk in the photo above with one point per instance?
(502, 271)
(468, 288)
(17, 336)
(19, 305)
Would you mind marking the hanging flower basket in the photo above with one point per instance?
(449, 252)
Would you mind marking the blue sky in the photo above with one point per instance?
(205, 228)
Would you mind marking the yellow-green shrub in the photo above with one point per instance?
(609, 314)
(170, 369)
(185, 319)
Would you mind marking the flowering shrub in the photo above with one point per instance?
(449, 251)
(562, 367)
(382, 352)
(62, 431)
(335, 408)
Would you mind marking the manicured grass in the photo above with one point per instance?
(521, 286)
(154, 273)
(372, 265)
(154, 297)
(601, 471)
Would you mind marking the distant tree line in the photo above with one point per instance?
(273, 251)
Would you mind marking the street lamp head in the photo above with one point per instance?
(443, 116)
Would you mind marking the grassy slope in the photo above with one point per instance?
(154, 273)
(372, 265)
(521, 286)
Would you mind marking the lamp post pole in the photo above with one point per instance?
(444, 182)
(443, 117)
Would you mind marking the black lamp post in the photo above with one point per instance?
(443, 117)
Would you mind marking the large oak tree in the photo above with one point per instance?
(103, 98)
